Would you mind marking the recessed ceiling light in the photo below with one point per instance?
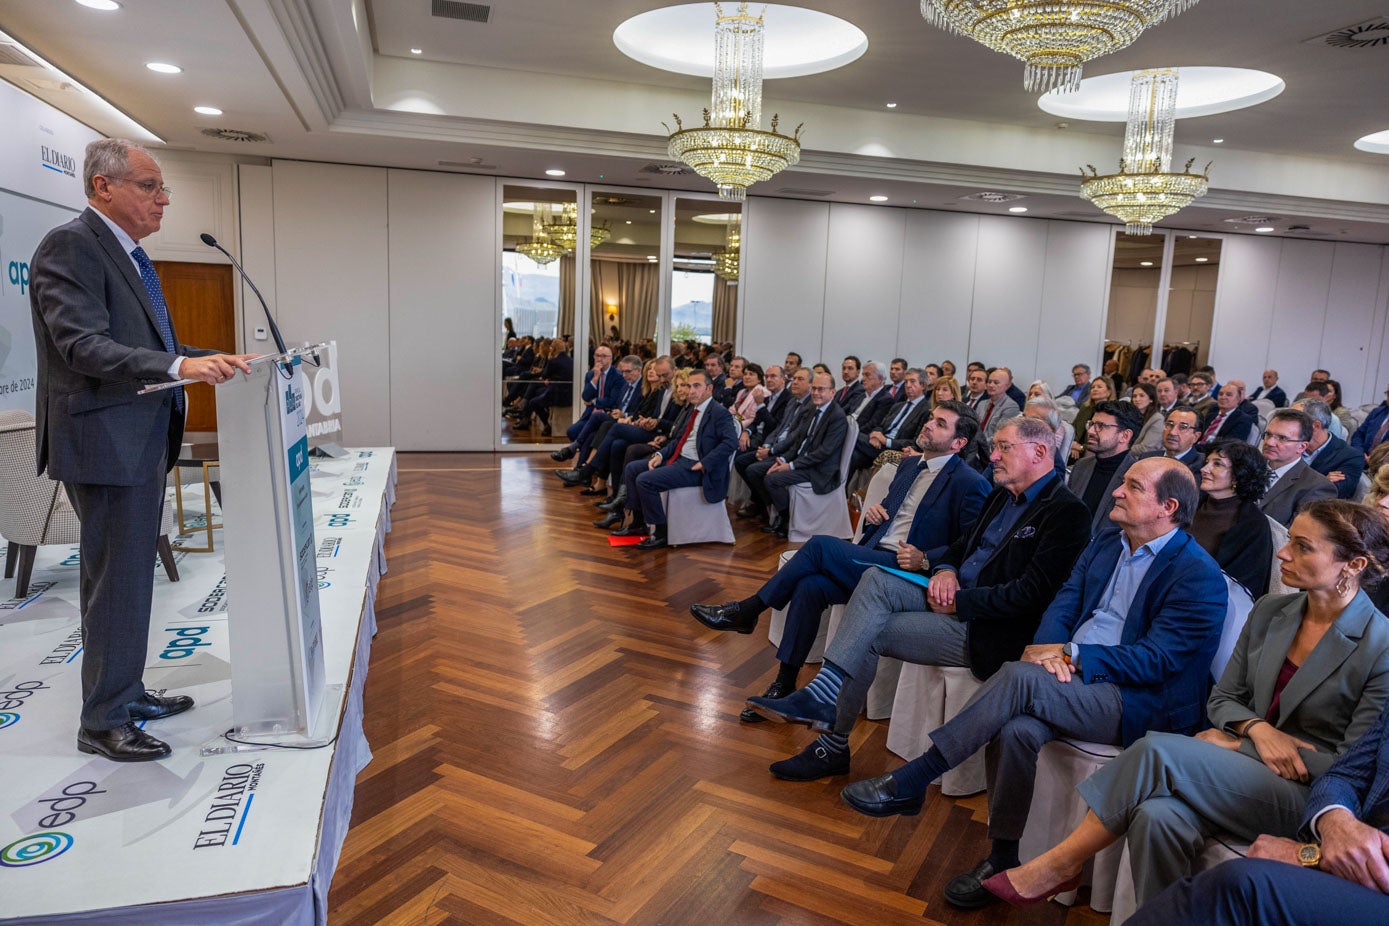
(1202, 260)
(652, 211)
(891, 105)
(160, 67)
(1145, 263)
(1217, 141)
(629, 221)
(1190, 237)
(1017, 209)
(103, 5)
(879, 198)
(417, 51)
(652, 257)
(554, 172)
(207, 110)
(1264, 229)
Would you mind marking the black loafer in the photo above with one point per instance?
(654, 542)
(724, 617)
(612, 520)
(877, 797)
(635, 530)
(126, 743)
(812, 763)
(967, 891)
(563, 453)
(150, 706)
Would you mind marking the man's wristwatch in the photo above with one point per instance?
(1069, 651)
(1309, 855)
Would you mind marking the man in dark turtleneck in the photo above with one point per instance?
(1107, 438)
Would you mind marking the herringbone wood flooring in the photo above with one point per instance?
(556, 741)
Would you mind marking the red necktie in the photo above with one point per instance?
(987, 415)
(684, 436)
(1215, 426)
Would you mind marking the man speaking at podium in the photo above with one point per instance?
(103, 332)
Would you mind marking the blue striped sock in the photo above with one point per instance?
(824, 687)
(833, 743)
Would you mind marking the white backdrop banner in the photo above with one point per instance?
(40, 187)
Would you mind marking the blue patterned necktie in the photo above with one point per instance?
(897, 494)
(161, 308)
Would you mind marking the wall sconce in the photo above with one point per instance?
(611, 310)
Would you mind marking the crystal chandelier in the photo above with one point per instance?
(731, 149)
(1145, 190)
(540, 248)
(1052, 37)
(564, 230)
(726, 261)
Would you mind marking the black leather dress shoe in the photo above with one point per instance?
(877, 797)
(574, 477)
(150, 706)
(775, 690)
(613, 519)
(592, 491)
(635, 530)
(724, 617)
(656, 541)
(612, 503)
(563, 453)
(967, 891)
(126, 743)
(812, 763)
(780, 527)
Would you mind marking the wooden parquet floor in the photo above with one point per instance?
(557, 742)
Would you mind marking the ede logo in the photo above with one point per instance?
(8, 719)
(31, 850)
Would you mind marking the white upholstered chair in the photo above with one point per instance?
(690, 519)
(812, 514)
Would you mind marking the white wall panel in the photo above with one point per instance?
(1241, 332)
(1073, 292)
(444, 331)
(331, 279)
(1008, 277)
(783, 305)
(1379, 335)
(937, 291)
(257, 251)
(863, 283)
(1299, 308)
(1351, 304)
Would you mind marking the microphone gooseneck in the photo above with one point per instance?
(274, 328)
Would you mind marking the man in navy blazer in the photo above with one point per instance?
(907, 527)
(602, 390)
(697, 454)
(1328, 454)
(103, 332)
(1340, 873)
(1124, 648)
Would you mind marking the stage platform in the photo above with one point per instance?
(246, 838)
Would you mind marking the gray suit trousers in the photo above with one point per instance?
(885, 618)
(120, 526)
(1018, 710)
(1170, 792)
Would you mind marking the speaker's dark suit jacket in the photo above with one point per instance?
(1002, 609)
(819, 458)
(1336, 455)
(716, 443)
(98, 345)
(1162, 663)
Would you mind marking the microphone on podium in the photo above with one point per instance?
(274, 329)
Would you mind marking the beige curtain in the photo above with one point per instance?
(633, 288)
(566, 295)
(725, 325)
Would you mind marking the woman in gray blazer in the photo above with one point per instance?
(1309, 675)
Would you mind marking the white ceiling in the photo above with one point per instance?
(541, 85)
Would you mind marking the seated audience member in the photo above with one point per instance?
(626, 396)
(986, 597)
(1329, 455)
(947, 368)
(1321, 389)
(1080, 389)
(1249, 773)
(1039, 389)
(849, 396)
(822, 368)
(896, 370)
(1042, 410)
(1294, 483)
(792, 364)
(654, 415)
(1183, 387)
(933, 499)
(697, 455)
(1166, 391)
(976, 396)
(1094, 478)
(1232, 416)
(1125, 648)
(622, 452)
(602, 390)
(1199, 397)
(1337, 870)
(554, 387)
(1100, 391)
(1180, 431)
(1342, 413)
(643, 389)
(946, 390)
(1228, 524)
(750, 395)
(933, 373)
(898, 428)
(812, 458)
(875, 402)
(768, 417)
(1377, 495)
(717, 374)
(1115, 377)
(1270, 390)
(779, 440)
(1143, 397)
(1000, 406)
(1372, 431)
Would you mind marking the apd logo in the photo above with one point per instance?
(31, 850)
(8, 719)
